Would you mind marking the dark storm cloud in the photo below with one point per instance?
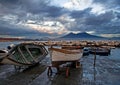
(54, 11)
(111, 29)
(37, 10)
(107, 22)
(103, 23)
(30, 6)
(43, 8)
(9, 6)
(9, 1)
(108, 3)
(117, 14)
(100, 19)
(13, 30)
(6, 28)
(34, 6)
(79, 14)
(29, 9)
(24, 10)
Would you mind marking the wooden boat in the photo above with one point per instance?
(100, 51)
(65, 55)
(25, 54)
(61, 56)
(3, 53)
(71, 47)
(86, 51)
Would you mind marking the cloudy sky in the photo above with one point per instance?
(59, 17)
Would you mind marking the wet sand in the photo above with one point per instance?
(105, 72)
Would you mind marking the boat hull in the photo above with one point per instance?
(63, 55)
(12, 62)
(58, 56)
(25, 54)
(3, 53)
(100, 51)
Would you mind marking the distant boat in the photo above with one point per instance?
(71, 47)
(86, 51)
(100, 51)
(25, 54)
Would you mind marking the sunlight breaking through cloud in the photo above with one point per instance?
(48, 16)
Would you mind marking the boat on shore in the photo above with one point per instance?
(71, 47)
(24, 54)
(65, 58)
(65, 55)
(100, 51)
(3, 53)
(86, 51)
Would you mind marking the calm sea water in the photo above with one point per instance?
(115, 53)
(4, 45)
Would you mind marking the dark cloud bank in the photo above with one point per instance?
(37, 10)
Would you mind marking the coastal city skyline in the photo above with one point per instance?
(59, 17)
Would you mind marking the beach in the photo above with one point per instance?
(105, 72)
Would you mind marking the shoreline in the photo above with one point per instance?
(83, 43)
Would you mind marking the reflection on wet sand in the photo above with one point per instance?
(59, 79)
(22, 78)
(74, 79)
(105, 72)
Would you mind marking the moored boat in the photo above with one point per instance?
(61, 56)
(3, 53)
(65, 55)
(25, 54)
(100, 51)
(65, 58)
(71, 47)
(86, 51)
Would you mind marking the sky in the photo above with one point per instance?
(58, 17)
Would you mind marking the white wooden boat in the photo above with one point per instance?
(65, 55)
(25, 54)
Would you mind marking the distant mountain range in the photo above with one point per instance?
(71, 36)
(80, 35)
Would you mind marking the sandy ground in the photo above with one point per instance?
(106, 72)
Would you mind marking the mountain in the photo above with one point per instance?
(80, 35)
